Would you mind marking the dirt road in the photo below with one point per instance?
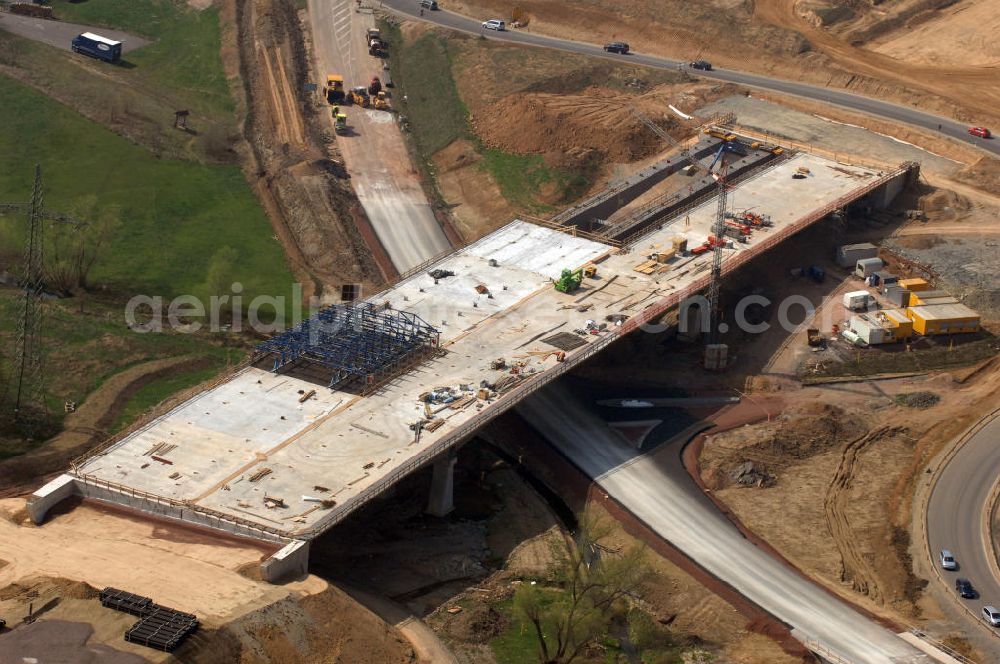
(657, 490)
(374, 152)
(59, 34)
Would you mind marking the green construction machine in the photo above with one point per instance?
(569, 281)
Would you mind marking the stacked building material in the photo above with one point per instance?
(163, 629)
(127, 602)
(160, 627)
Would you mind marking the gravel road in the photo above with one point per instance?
(59, 34)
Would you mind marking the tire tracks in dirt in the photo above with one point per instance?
(855, 566)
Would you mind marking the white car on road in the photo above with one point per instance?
(495, 24)
(948, 560)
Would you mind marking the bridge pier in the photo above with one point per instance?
(442, 498)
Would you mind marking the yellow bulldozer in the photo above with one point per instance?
(359, 96)
(381, 102)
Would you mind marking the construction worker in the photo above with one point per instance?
(336, 111)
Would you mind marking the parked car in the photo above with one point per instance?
(495, 24)
(964, 588)
(617, 47)
(704, 65)
(991, 615)
(981, 132)
(948, 560)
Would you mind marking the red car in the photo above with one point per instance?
(981, 132)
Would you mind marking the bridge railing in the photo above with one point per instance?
(506, 400)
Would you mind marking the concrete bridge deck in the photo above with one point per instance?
(348, 448)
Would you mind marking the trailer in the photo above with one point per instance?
(858, 300)
(97, 46)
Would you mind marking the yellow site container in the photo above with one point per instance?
(934, 319)
(914, 285)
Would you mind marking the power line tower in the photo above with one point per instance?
(29, 402)
(27, 379)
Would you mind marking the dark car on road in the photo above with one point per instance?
(704, 65)
(617, 47)
(965, 589)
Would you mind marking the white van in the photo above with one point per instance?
(494, 24)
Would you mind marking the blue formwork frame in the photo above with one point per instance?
(360, 341)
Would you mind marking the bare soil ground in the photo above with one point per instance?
(838, 502)
(775, 36)
(60, 567)
(293, 163)
(571, 111)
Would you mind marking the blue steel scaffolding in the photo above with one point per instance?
(359, 341)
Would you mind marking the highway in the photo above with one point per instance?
(955, 516)
(374, 152)
(883, 109)
(656, 488)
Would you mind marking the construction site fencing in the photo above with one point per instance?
(840, 157)
(145, 501)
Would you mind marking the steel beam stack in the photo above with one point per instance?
(160, 627)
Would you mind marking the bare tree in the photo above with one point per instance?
(73, 251)
(591, 587)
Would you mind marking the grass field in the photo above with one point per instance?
(158, 390)
(85, 343)
(184, 59)
(424, 73)
(175, 215)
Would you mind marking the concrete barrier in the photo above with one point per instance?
(48, 496)
(289, 562)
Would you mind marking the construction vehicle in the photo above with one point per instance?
(375, 86)
(340, 123)
(813, 337)
(590, 271)
(381, 102)
(720, 134)
(742, 229)
(569, 280)
(376, 46)
(334, 89)
(359, 96)
(711, 243)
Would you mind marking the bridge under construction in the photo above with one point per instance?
(331, 414)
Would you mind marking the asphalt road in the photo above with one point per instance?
(887, 110)
(656, 489)
(374, 152)
(59, 34)
(955, 516)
